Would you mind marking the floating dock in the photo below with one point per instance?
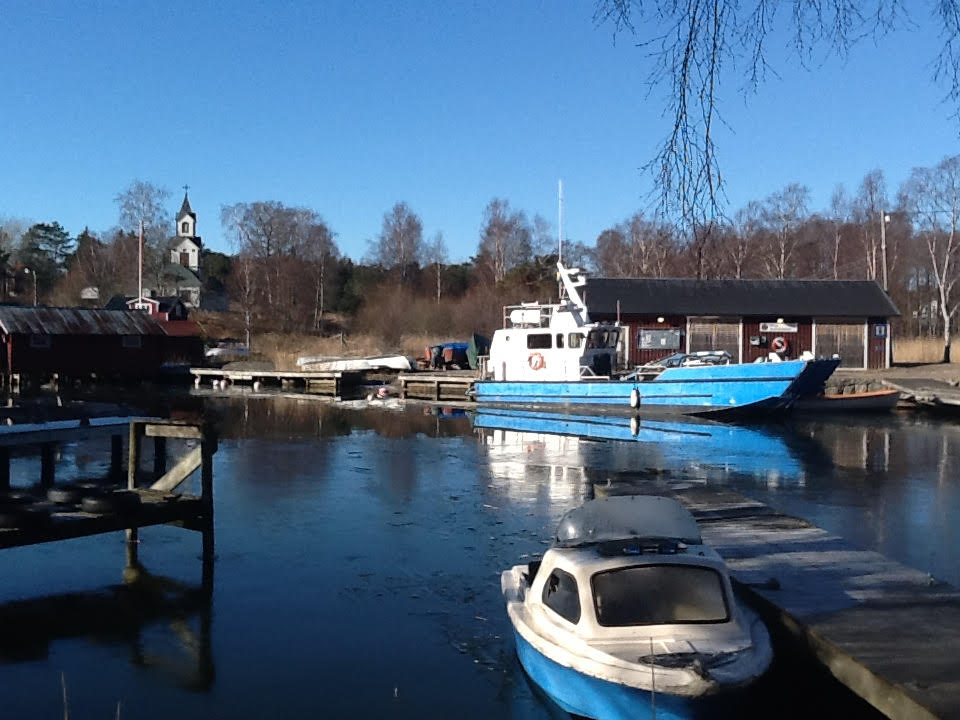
(888, 632)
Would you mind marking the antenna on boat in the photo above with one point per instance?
(559, 220)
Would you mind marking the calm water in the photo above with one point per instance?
(359, 552)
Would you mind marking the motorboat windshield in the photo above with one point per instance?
(659, 595)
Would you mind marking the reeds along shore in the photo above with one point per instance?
(923, 350)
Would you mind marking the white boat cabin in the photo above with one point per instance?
(630, 577)
(552, 343)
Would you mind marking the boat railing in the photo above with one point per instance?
(528, 315)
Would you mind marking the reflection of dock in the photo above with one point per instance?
(120, 614)
(886, 631)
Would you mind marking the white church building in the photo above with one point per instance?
(182, 275)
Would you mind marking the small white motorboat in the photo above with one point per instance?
(630, 613)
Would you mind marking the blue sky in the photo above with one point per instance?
(349, 107)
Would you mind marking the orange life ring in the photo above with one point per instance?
(779, 344)
(536, 361)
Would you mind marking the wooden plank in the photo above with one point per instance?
(267, 374)
(154, 511)
(133, 459)
(171, 430)
(179, 472)
(60, 431)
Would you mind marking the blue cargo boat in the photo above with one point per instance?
(553, 355)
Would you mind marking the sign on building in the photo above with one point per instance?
(778, 327)
(659, 340)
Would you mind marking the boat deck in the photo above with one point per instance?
(888, 632)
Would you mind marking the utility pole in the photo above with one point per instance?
(884, 219)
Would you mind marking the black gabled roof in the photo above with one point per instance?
(687, 296)
(185, 209)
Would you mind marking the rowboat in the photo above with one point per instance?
(870, 401)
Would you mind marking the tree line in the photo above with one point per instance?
(287, 271)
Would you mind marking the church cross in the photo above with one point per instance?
(186, 188)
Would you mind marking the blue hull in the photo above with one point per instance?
(590, 697)
(759, 386)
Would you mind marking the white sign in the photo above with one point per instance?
(778, 327)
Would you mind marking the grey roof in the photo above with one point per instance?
(183, 276)
(20, 320)
(735, 298)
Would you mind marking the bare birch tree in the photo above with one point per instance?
(746, 225)
(932, 195)
(782, 213)
(400, 244)
(839, 216)
(695, 47)
(144, 202)
(435, 253)
(505, 238)
(869, 209)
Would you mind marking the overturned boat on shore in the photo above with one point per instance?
(325, 363)
(630, 611)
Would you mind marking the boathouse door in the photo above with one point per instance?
(877, 345)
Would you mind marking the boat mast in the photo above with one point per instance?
(560, 221)
(140, 268)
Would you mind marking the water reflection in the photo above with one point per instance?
(696, 448)
(359, 551)
(163, 624)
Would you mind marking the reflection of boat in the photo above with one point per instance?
(739, 448)
(871, 401)
(553, 355)
(629, 610)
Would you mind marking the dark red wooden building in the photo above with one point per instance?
(747, 318)
(42, 341)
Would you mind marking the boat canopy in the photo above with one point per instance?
(625, 517)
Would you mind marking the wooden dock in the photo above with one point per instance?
(321, 383)
(926, 392)
(449, 385)
(888, 632)
(29, 520)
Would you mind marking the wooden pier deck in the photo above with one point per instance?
(926, 392)
(30, 519)
(450, 385)
(888, 632)
(321, 382)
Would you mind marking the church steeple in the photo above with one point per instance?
(186, 218)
